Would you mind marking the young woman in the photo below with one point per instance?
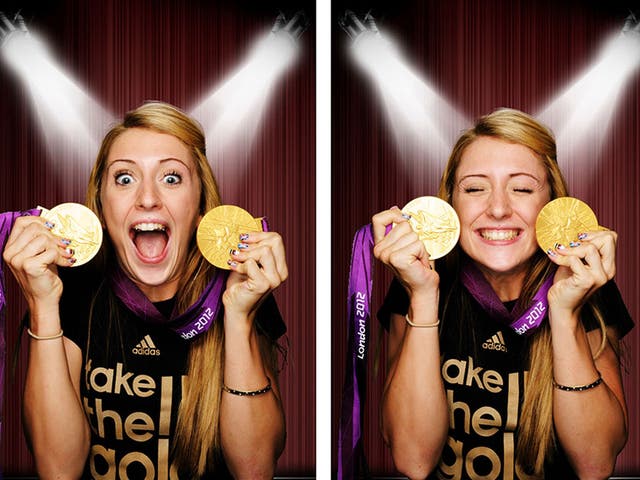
(466, 396)
(121, 394)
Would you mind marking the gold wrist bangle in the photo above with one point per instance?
(50, 337)
(421, 325)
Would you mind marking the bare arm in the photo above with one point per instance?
(591, 424)
(415, 415)
(54, 420)
(252, 428)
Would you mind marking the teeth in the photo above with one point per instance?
(499, 234)
(149, 227)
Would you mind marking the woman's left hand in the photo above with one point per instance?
(258, 266)
(584, 267)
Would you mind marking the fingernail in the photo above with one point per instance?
(559, 246)
(234, 252)
(65, 241)
(582, 236)
(231, 263)
(244, 236)
(73, 260)
(574, 244)
(551, 253)
(49, 225)
(406, 216)
(395, 207)
(70, 250)
(242, 246)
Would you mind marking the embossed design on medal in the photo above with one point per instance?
(219, 232)
(436, 223)
(561, 220)
(79, 224)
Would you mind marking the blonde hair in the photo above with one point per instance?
(536, 434)
(196, 446)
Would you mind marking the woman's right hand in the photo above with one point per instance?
(33, 254)
(404, 253)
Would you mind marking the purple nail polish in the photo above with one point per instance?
(70, 250)
(551, 253)
(244, 236)
(49, 225)
(574, 244)
(243, 246)
(65, 241)
(406, 216)
(233, 252)
(582, 236)
(231, 263)
(73, 260)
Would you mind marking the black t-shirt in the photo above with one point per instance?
(132, 377)
(484, 372)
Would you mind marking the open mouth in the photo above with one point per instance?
(499, 235)
(150, 239)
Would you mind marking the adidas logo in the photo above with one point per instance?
(496, 342)
(146, 347)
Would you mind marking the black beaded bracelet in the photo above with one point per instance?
(242, 393)
(579, 388)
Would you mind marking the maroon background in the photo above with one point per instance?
(124, 53)
(480, 56)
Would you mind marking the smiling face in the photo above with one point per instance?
(150, 199)
(499, 189)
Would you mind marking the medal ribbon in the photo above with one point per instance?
(350, 449)
(521, 323)
(7, 219)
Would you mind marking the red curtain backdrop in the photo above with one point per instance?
(124, 53)
(479, 56)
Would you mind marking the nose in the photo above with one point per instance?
(148, 195)
(499, 204)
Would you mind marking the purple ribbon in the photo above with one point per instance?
(194, 321)
(350, 449)
(522, 320)
(7, 219)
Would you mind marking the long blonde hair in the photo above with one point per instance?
(196, 445)
(536, 434)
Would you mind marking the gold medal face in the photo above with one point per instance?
(219, 232)
(561, 220)
(436, 223)
(78, 224)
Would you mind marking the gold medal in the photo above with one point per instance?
(219, 232)
(561, 220)
(78, 224)
(436, 223)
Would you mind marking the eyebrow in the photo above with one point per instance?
(512, 175)
(163, 160)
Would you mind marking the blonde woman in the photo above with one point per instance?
(118, 385)
(466, 396)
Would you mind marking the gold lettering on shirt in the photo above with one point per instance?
(513, 402)
(141, 458)
(489, 455)
(166, 395)
(509, 447)
(108, 456)
(139, 422)
(486, 417)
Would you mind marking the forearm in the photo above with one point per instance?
(54, 419)
(252, 428)
(415, 416)
(590, 424)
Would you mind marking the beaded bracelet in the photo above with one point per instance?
(242, 393)
(50, 337)
(579, 388)
(421, 325)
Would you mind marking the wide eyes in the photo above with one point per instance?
(126, 178)
(123, 178)
(172, 178)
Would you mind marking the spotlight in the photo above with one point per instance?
(423, 123)
(71, 121)
(231, 113)
(581, 115)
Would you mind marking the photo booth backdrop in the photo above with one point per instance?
(479, 56)
(123, 53)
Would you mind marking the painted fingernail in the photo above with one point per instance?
(243, 246)
(244, 236)
(406, 216)
(574, 244)
(73, 260)
(582, 236)
(234, 252)
(231, 263)
(65, 241)
(70, 250)
(551, 253)
(559, 246)
(49, 225)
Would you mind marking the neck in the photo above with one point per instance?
(507, 286)
(158, 293)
